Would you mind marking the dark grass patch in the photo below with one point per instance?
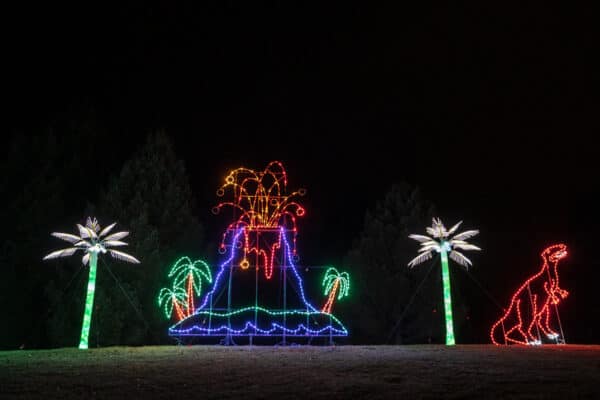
(217, 372)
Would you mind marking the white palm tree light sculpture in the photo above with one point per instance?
(443, 242)
(92, 241)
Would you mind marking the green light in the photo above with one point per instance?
(447, 298)
(335, 283)
(89, 302)
(254, 309)
(187, 283)
(225, 314)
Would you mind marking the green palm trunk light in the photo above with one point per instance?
(447, 299)
(89, 302)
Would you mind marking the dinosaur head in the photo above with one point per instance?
(555, 252)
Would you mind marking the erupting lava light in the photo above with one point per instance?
(260, 200)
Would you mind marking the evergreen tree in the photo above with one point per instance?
(393, 303)
(151, 197)
(43, 184)
(33, 193)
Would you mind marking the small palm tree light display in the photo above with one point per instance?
(173, 299)
(336, 285)
(187, 283)
(442, 241)
(92, 241)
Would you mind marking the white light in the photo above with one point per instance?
(444, 242)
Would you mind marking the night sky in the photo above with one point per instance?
(489, 110)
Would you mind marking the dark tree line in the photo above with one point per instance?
(51, 181)
(392, 303)
(152, 193)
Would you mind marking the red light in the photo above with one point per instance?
(260, 208)
(537, 293)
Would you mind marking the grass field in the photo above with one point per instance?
(219, 372)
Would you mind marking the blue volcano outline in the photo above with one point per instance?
(249, 328)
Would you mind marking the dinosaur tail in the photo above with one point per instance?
(497, 333)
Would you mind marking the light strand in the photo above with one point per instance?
(187, 278)
(264, 229)
(336, 284)
(543, 291)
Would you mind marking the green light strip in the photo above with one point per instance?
(447, 299)
(89, 302)
(270, 312)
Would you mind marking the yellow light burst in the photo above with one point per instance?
(260, 205)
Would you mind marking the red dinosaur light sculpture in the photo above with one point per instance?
(541, 291)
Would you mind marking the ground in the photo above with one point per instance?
(253, 372)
